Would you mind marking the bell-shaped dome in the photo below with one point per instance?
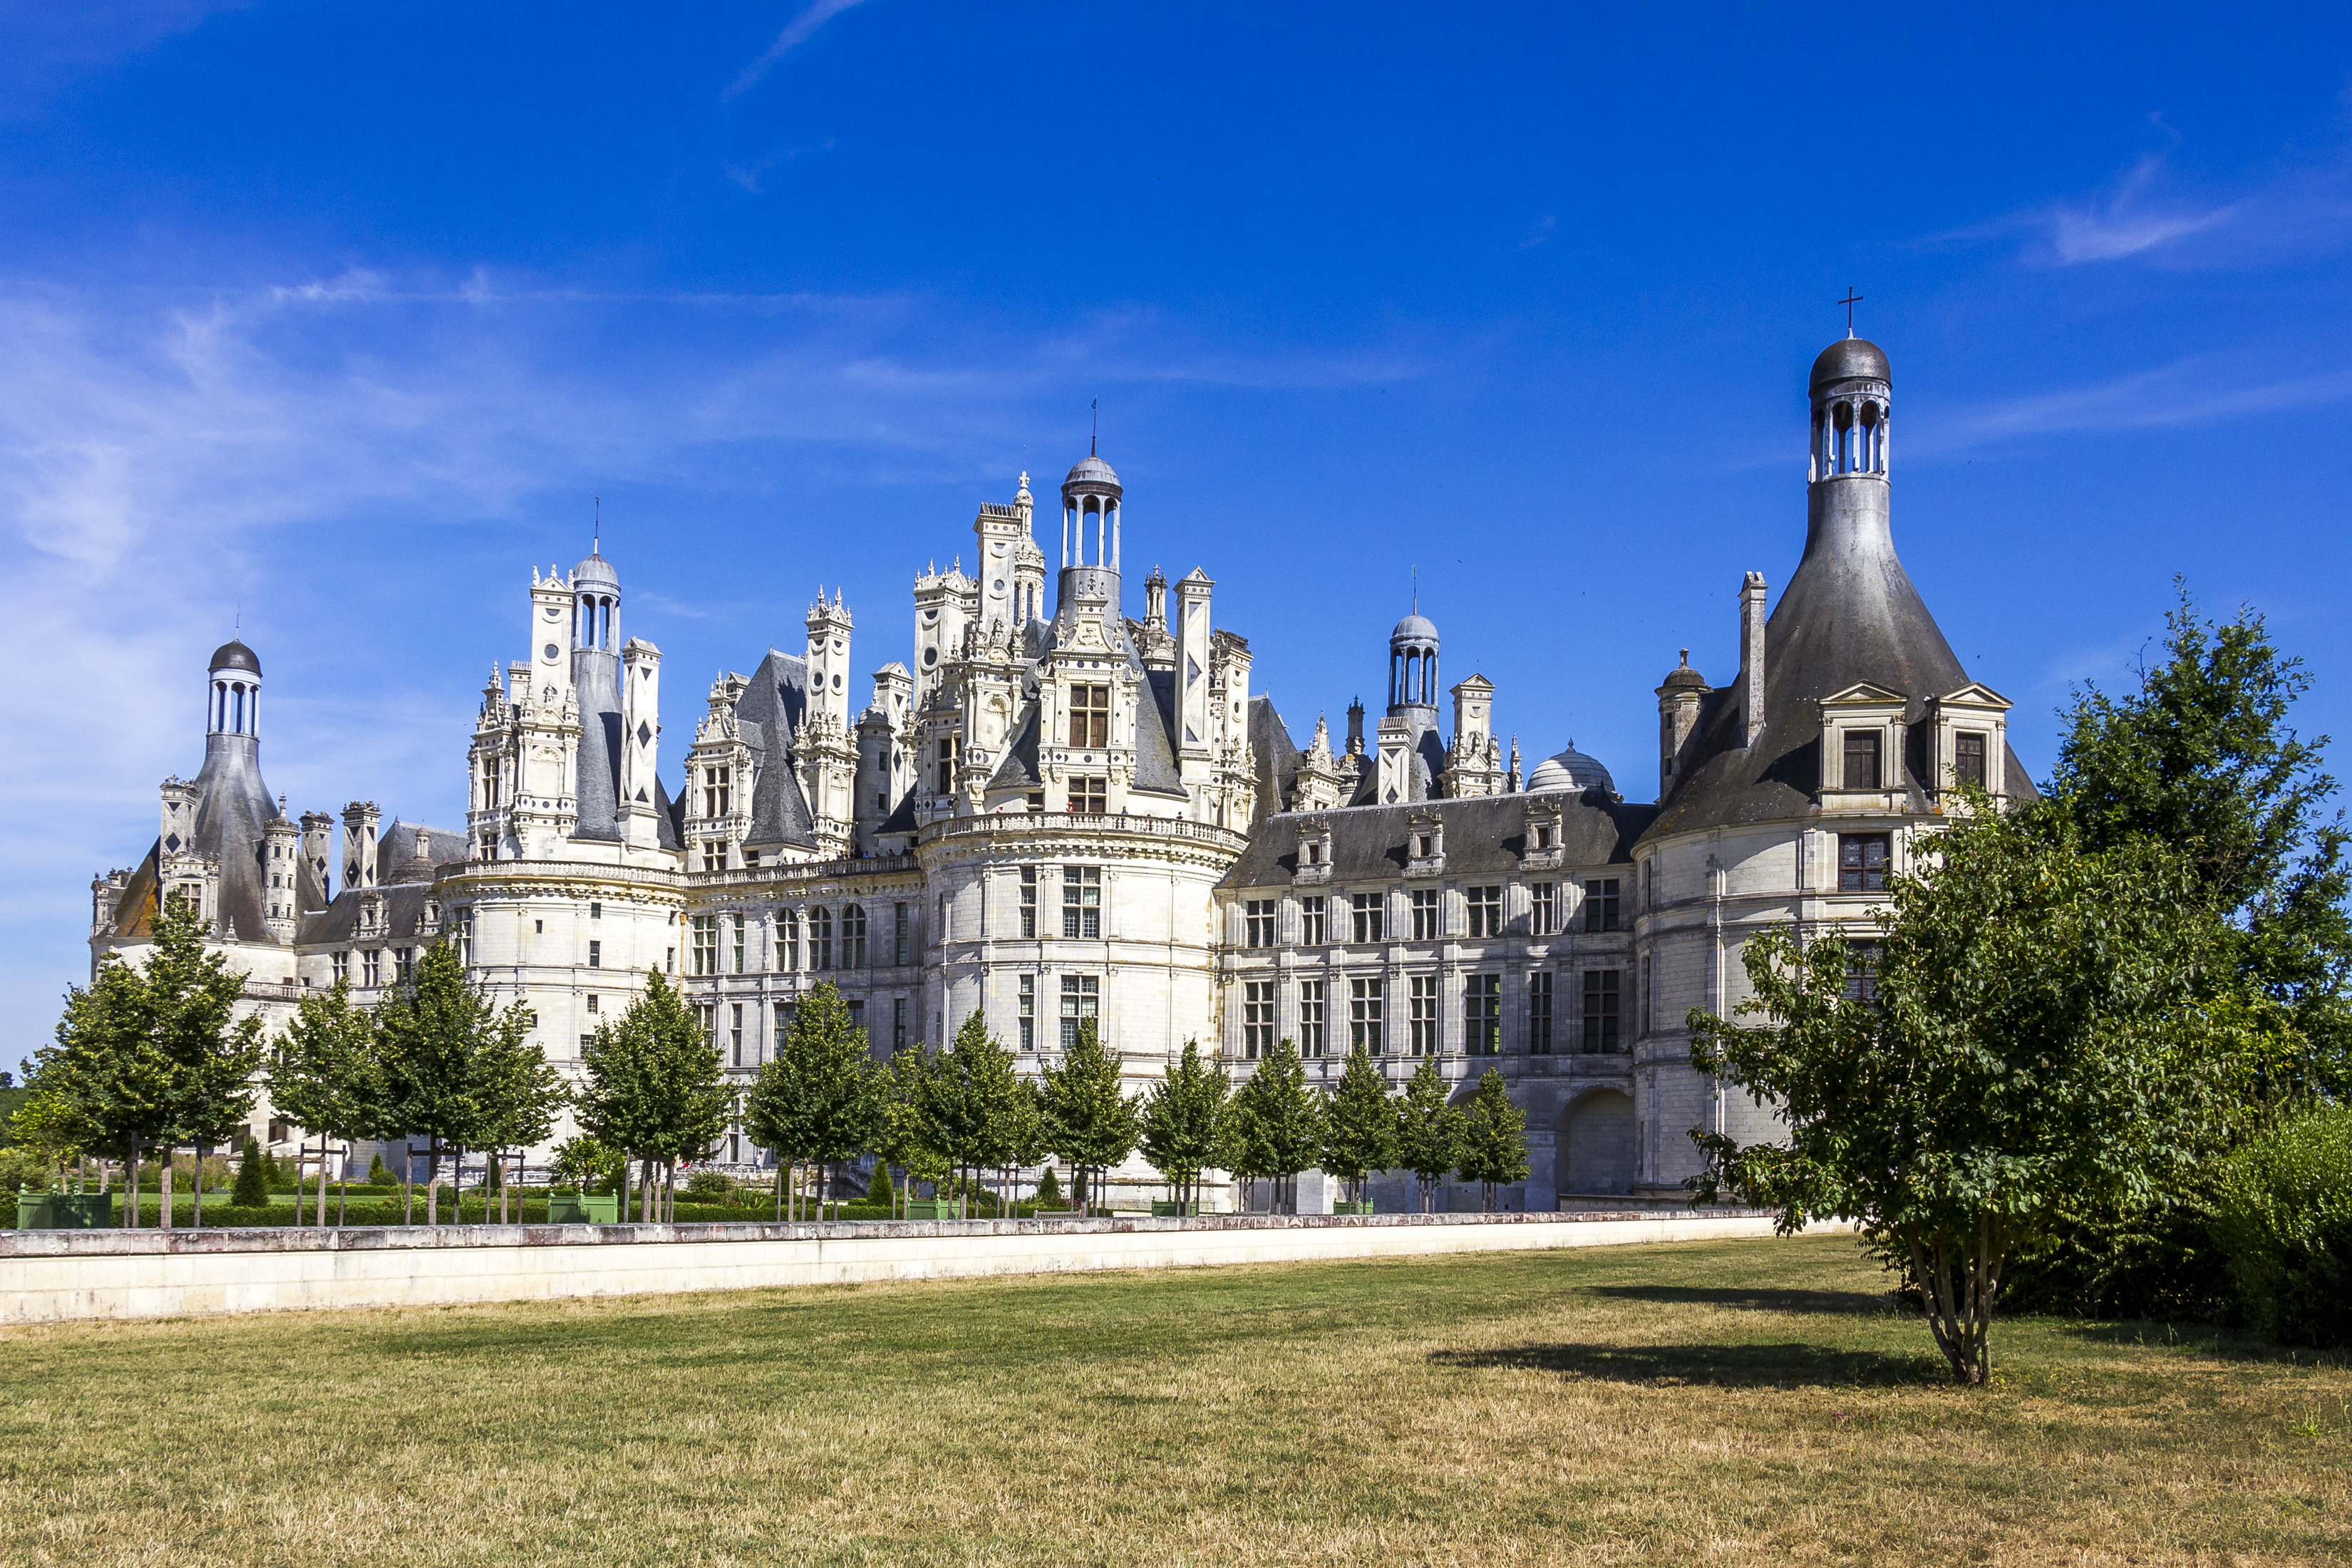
(1092, 476)
(1415, 627)
(1571, 769)
(594, 571)
(233, 655)
(1850, 359)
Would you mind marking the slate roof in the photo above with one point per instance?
(1276, 755)
(396, 857)
(1849, 615)
(769, 713)
(232, 814)
(339, 922)
(1484, 835)
(596, 677)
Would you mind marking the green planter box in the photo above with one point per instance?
(935, 1208)
(65, 1211)
(1162, 1209)
(592, 1209)
(1363, 1207)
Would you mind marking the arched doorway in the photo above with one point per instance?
(1596, 1145)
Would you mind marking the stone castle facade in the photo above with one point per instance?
(1058, 812)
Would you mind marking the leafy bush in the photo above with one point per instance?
(377, 1175)
(1049, 1190)
(2285, 1221)
(710, 1186)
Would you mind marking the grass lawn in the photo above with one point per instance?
(1727, 1402)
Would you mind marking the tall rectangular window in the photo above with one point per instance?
(372, 967)
(1862, 862)
(1364, 909)
(1310, 1017)
(1601, 1015)
(1420, 1014)
(1539, 910)
(857, 1014)
(1540, 1013)
(1425, 924)
(1482, 1016)
(1090, 796)
(1969, 758)
(1485, 911)
(1081, 1001)
(738, 943)
(735, 1033)
(946, 764)
(1257, 1018)
(1082, 902)
(787, 941)
(1310, 920)
(1861, 759)
(1601, 897)
(1862, 970)
(706, 945)
(718, 793)
(1029, 900)
(1090, 717)
(783, 1025)
(897, 1025)
(342, 962)
(1028, 1012)
(1257, 923)
(708, 1013)
(404, 960)
(901, 936)
(1364, 1020)
(852, 936)
(820, 939)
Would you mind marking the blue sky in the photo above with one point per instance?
(337, 317)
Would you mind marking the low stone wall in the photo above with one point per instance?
(57, 1275)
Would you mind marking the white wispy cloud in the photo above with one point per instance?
(2145, 214)
(2199, 390)
(796, 33)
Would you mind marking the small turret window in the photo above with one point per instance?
(1862, 770)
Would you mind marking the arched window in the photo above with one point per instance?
(820, 939)
(853, 936)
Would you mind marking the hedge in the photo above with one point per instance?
(2285, 1221)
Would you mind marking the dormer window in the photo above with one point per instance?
(1969, 758)
(1862, 769)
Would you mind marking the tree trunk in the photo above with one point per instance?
(130, 1190)
(197, 1207)
(432, 1184)
(343, 1190)
(779, 1191)
(164, 1211)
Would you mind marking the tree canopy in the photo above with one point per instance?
(1360, 1124)
(1180, 1119)
(1087, 1121)
(2031, 1034)
(1493, 1147)
(1429, 1129)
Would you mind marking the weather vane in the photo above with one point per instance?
(1095, 434)
(1849, 302)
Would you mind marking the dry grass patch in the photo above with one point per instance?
(1734, 1401)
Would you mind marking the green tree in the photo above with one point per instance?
(321, 1074)
(52, 1126)
(192, 1000)
(995, 1113)
(907, 1138)
(1049, 1190)
(252, 1189)
(1429, 1131)
(654, 1087)
(1360, 1124)
(1087, 1121)
(1494, 1151)
(435, 1035)
(1180, 1119)
(581, 1162)
(2035, 1038)
(819, 1099)
(518, 1096)
(2201, 758)
(1285, 1121)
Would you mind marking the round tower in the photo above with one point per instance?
(1846, 483)
(1412, 670)
(596, 606)
(234, 674)
(1091, 499)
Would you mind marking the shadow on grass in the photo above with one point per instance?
(1853, 1303)
(1717, 1365)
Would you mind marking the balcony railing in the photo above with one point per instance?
(1084, 822)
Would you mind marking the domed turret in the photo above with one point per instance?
(234, 704)
(1091, 495)
(1569, 770)
(1412, 664)
(1851, 390)
(596, 595)
(1850, 359)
